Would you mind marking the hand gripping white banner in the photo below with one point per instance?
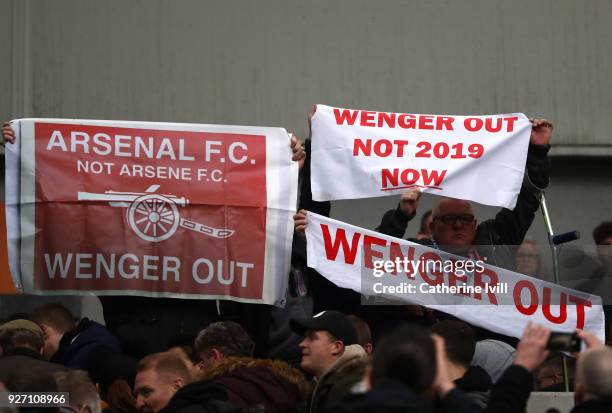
(499, 300)
(364, 154)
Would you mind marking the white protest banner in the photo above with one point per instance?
(499, 300)
(153, 209)
(364, 154)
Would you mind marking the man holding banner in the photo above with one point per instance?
(145, 213)
(454, 226)
(460, 158)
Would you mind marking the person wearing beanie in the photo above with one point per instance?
(22, 346)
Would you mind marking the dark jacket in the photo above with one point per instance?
(508, 395)
(76, 345)
(495, 237)
(340, 379)
(476, 384)
(274, 385)
(24, 359)
(593, 406)
(388, 397)
(200, 397)
(511, 392)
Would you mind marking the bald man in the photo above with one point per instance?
(454, 227)
(593, 391)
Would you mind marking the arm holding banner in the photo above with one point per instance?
(395, 221)
(510, 226)
(306, 201)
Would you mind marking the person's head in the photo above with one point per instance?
(364, 334)
(105, 366)
(594, 375)
(602, 235)
(453, 224)
(326, 336)
(158, 377)
(459, 343)
(55, 320)
(21, 334)
(425, 228)
(182, 346)
(84, 397)
(407, 356)
(221, 340)
(528, 258)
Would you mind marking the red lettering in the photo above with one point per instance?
(580, 304)
(472, 124)
(410, 176)
(367, 118)
(517, 293)
(433, 177)
(493, 280)
(510, 122)
(332, 248)
(444, 122)
(560, 319)
(431, 263)
(368, 252)
(426, 122)
(400, 147)
(489, 124)
(345, 116)
(406, 121)
(390, 178)
(453, 278)
(388, 118)
(378, 148)
(359, 144)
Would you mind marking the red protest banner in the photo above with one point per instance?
(6, 282)
(158, 211)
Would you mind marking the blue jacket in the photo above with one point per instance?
(76, 345)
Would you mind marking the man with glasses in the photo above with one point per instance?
(454, 227)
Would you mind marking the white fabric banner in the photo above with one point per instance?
(499, 300)
(153, 209)
(364, 154)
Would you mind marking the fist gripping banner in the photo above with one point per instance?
(364, 154)
(154, 209)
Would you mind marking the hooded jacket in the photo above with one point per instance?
(76, 345)
(338, 381)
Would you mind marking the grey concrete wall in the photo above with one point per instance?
(267, 62)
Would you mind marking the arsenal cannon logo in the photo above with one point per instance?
(154, 217)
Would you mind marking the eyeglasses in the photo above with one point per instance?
(464, 219)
